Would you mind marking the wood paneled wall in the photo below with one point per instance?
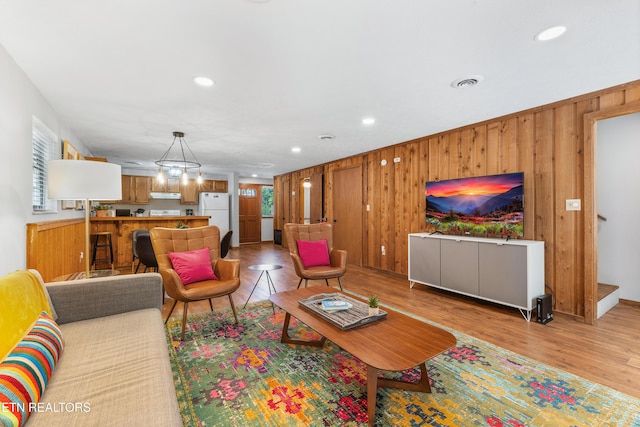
(54, 247)
(547, 143)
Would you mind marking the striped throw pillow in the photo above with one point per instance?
(25, 372)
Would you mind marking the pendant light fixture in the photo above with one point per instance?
(178, 161)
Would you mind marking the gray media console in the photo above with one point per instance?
(505, 272)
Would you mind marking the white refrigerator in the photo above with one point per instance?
(216, 205)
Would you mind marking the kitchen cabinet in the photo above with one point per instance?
(169, 185)
(135, 189)
(207, 186)
(214, 186)
(189, 192)
(505, 272)
(157, 186)
(173, 185)
(127, 189)
(142, 189)
(220, 187)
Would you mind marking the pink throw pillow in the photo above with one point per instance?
(313, 253)
(193, 266)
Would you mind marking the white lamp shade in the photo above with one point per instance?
(84, 180)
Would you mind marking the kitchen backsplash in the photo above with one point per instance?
(157, 205)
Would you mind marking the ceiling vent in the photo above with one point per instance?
(466, 82)
(326, 137)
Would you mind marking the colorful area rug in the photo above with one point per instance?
(241, 375)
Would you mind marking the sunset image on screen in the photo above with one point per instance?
(486, 205)
(495, 184)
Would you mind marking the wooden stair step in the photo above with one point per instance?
(604, 290)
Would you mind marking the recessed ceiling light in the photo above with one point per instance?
(296, 149)
(203, 81)
(550, 33)
(466, 81)
(368, 121)
(254, 175)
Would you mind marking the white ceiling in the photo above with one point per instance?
(120, 72)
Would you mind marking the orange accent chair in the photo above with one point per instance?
(314, 232)
(167, 240)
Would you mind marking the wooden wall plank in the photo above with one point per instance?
(493, 148)
(455, 155)
(565, 151)
(526, 164)
(443, 156)
(544, 168)
(632, 94)
(466, 154)
(508, 146)
(612, 99)
(418, 220)
(433, 147)
(387, 205)
(479, 140)
(375, 201)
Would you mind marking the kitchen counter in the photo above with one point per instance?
(121, 228)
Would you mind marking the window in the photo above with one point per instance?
(267, 201)
(45, 148)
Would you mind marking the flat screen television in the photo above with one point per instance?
(490, 206)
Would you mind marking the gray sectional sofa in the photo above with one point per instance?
(115, 365)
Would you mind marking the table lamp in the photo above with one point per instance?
(84, 180)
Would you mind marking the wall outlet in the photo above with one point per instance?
(573, 204)
(368, 208)
(384, 251)
(396, 160)
(81, 255)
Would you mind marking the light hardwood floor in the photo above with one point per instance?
(607, 353)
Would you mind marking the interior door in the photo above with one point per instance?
(347, 212)
(250, 213)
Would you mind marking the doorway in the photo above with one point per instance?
(311, 192)
(250, 213)
(590, 204)
(347, 212)
(618, 203)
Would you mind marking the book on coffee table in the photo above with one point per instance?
(351, 317)
(333, 304)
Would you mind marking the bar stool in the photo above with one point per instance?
(106, 243)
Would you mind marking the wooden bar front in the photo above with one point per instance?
(121, 229)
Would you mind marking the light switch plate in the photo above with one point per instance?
(573, 205)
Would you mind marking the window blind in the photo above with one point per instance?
(45, 148)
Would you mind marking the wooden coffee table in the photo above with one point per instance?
(395, 343)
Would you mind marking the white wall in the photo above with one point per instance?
(19, 102)
(618, 200)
